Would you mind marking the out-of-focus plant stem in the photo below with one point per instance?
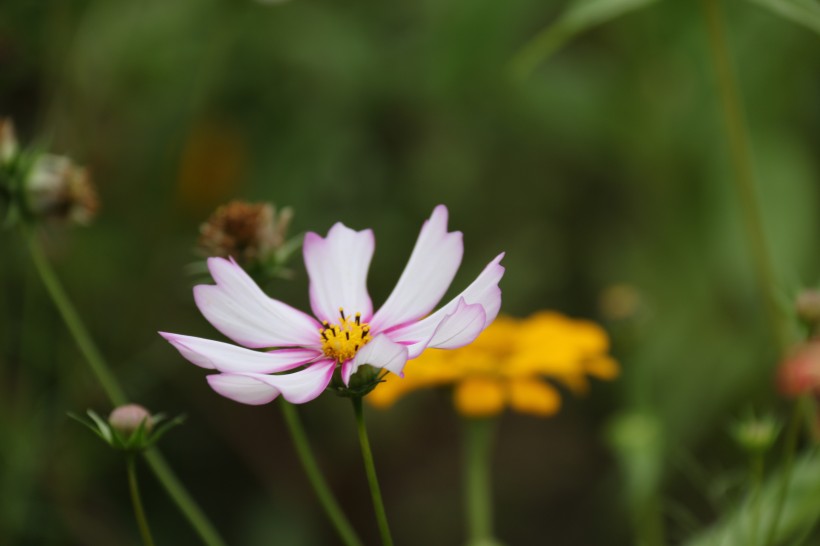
(136, 501)
(311, 467)
(478, 442)
(737, 135)
(370, 470)
(757, 486)
(739, 144)
(789, 450)
(187, 505)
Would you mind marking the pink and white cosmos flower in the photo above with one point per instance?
(276, 338)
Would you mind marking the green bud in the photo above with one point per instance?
(756, 435)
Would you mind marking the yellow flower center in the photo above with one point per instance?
(341, 341)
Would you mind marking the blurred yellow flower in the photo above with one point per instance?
(506, 366)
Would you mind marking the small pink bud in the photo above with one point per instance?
(799, 373)
(126, 419)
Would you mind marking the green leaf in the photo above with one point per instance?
(103, 427)
(800, 510)
(160, 431)
(91, 426)
(802, 12)
(579, 15)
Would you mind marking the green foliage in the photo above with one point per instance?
(577, 17)
(801, 12)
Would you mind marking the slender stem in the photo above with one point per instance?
(789, 449)
(187, 505)
(139, 511)
(739, 143)
(478, 440)
(184, 501)
(757, 486)
(370, 470)
(73, 322)
(314, 474)
(737, 135)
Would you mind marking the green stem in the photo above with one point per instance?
(757, 486)
(478, 440)
(370, 470)
(789, 449)
(311, 467)
(737, 135)
(73, 322)
(198, 520)
(139, 511)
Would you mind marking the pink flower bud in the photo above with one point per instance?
(126, 419)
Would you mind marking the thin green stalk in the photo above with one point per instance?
(311, 467)
(740, 147)
(139, 511)
(478, 441)
(757, 487)
(73, 322)
(370, 470)
(737, 135)
(789, 449)
(187, 505)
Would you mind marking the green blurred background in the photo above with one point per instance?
(608, 165)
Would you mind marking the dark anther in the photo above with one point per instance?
(342, 312)
(347, 335)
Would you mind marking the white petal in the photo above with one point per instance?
(381, 352)
(255, 389)
(337, 266)
(226, 357)
(242, 388)
(483, 291)
(238, 308)
(459, 328)
(429, 272)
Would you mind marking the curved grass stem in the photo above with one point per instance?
(186, 504)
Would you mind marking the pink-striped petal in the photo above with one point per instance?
(229, 358)
(459, 328)
(256, 389)
(337, 266)
(427, 275)
(238, 308)
(483, 291)
(381, 352)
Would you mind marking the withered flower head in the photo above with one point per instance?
(807, 305)
(249, 232)
(58, 188)
(8, 141)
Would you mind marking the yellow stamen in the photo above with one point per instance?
(341, 342)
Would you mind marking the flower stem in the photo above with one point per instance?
(792, 432)
(311, 467)
(198, 520)
(73, 322)
(757, 487)
(738, 138)
(370, 470)
(478, 439)
(139, 511)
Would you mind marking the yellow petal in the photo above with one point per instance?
(534, 396)
(479, 397)
(603, 367)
